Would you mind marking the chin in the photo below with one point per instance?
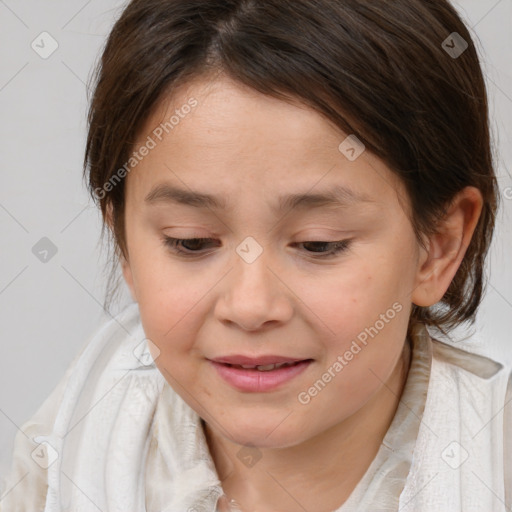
(271, 435)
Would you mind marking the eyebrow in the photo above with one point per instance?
(337, 195)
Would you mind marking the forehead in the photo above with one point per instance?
(233, 118)
(236, 142)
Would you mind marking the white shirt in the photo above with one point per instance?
(449, 446)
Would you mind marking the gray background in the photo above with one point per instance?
(48, 310)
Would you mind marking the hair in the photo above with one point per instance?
(376, 69)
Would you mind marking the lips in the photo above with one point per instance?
(253, 362)
(260, 378)
(261, 367)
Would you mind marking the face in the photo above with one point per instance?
(307, 280)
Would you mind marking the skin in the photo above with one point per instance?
(249, 149)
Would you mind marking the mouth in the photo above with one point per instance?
(254, 378)
(266, 367)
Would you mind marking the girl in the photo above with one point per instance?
(295, 191)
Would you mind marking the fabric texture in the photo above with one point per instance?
(114, 436)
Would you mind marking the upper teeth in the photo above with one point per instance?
(264, 368)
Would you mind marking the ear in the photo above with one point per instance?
(438, 266)
(125, 265)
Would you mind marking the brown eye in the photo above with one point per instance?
(195, 246)
(191, 245)
(336, 247)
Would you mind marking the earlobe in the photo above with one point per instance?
(446, 248)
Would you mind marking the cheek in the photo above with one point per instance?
(363, 316)
(168, 300)
(350, 299)
(168, 315)
(357, 363)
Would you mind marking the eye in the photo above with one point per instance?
(193, 246)
(173, 243)
(336, 247)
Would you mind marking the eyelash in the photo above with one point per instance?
(172, 243)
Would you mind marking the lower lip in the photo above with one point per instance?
(259, 381)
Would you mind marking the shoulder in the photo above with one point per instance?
(476, 381)
(465, 437)
(25, 485)
(483, 386)
(459, 359)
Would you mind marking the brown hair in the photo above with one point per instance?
(376, 69)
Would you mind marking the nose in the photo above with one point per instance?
(254, 295)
